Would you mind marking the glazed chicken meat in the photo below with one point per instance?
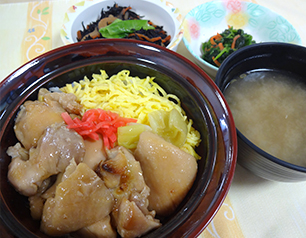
(76, 185)
(54, 150)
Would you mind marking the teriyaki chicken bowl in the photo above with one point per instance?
(109, 139)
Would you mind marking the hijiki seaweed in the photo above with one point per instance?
(148, 32)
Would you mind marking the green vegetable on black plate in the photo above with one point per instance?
(220, 46)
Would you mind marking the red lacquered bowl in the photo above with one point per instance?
(200, 97)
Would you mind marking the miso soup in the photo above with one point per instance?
(269, 108)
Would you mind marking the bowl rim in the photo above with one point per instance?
(173, 12)
(211, 66)
(263, 153)
(232, 153)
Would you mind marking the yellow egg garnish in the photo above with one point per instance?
(133, 97)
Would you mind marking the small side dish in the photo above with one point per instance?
(122, 22)
(220, 46)
(205, 20)
(161, 13)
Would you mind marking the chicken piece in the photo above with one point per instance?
(68, 171)
(132, 222)
(67, 101)
(50, 193)
(35, 116)
(112, 169)
(131, 175)
(126, 171)
(124, 176)
(142, 202)
(80, 200)
(57, 146)
(94, 153)
(100, 229)
(168, 171)
(37, 202)
(18, 151)
(32, 120)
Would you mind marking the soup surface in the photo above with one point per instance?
(269, 109)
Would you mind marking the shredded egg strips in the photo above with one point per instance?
(130, 97)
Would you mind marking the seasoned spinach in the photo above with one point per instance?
(220, 46)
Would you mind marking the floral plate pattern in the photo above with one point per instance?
(207, 19)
